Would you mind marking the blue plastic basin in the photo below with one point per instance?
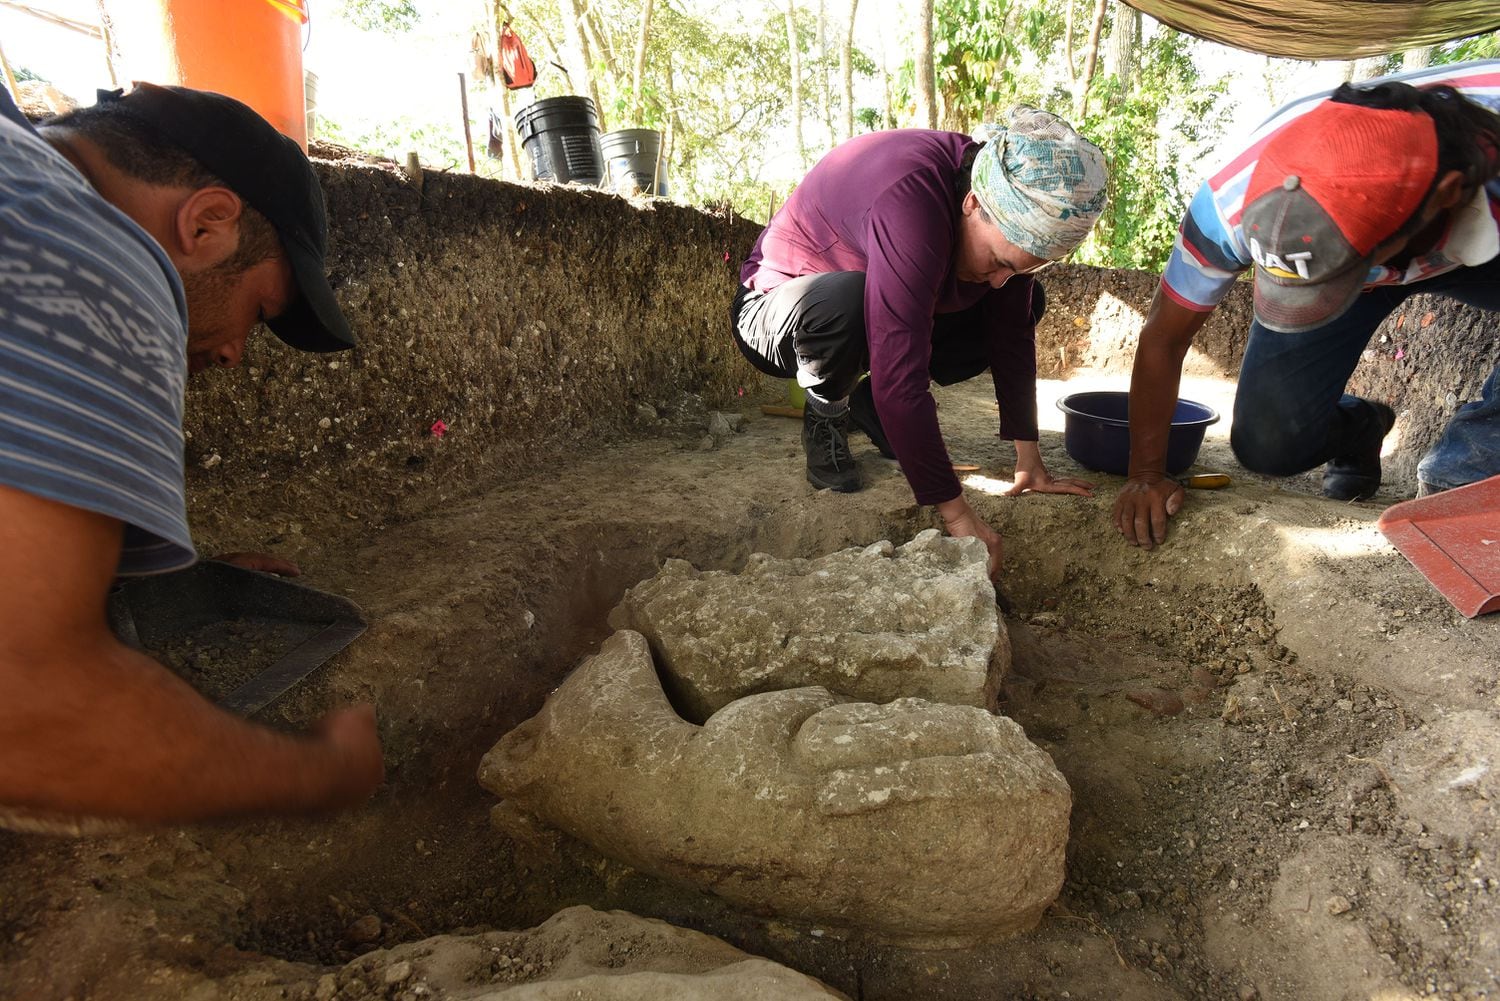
(1096, 431)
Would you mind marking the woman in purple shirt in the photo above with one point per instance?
(907, 254)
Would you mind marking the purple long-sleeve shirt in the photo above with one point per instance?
(884, 203)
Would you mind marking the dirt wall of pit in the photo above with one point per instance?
(533, 322)
(538, 322)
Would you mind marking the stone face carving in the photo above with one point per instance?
(874, 624)
(929, 826)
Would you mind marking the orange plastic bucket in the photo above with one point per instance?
(248, 49)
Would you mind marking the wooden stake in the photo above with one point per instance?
(10, 80)
(463, 96)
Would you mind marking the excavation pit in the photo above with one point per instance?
(1279, 739)
(1233, 765)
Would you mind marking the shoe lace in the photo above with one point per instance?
(826, 434)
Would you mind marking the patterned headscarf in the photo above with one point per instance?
(1040, 181)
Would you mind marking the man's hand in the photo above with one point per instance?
(1149, 498)
(356, 767)
(1032, 475)
(962, 523)
(162, 753)
(264, 562)
(1143, 506)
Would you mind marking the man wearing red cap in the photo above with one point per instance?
(141, 240)
(1344, 206)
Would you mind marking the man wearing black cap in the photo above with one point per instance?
(1343, 206)
(141, 240)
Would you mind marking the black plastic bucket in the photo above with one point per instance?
(633, 158)
(561, 135)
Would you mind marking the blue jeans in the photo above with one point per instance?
(1291, 412)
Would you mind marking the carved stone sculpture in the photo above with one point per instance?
(924, 825)
(874, 624)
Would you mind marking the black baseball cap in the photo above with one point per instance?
(272, 174)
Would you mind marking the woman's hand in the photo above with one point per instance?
(1032, 475)
(962, 523)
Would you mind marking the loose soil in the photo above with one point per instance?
(1280, 740)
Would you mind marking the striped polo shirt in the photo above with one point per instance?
(1211, 250)
(93, 340)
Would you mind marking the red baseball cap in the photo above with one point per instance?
(1329, 189)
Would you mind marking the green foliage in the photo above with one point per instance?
(990, 55)
(716, 88)
(973, 58)
(1464, 49)
(388, 16)
(1168, 118)
(439, 148)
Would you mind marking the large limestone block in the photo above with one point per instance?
(577, 953)
(925, 825)
(874, 624)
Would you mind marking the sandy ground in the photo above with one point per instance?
(1318, 821)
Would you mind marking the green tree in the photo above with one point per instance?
(1462, 50)
(389, 16)
(991, 55)
(1166, 117)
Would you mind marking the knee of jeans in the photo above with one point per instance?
(1268, 452)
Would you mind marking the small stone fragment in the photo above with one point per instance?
(1156, 700)
(327, 988)
(1339, 905)
(366, 929)
(397, 973)
(723, 425)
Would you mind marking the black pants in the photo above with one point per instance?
(813, 329)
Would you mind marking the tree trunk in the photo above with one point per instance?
(678, 182)
(511, 164)
(846, 69)
(1363, 69)
(1124, 41)
(601, 42)
(1068, 44)
(600, 57)
(512, 139)
(825, 104)
(638, 72)
(1090, 62)
(926, 82)
(794, 62)
(579, 71)
(1417, 59)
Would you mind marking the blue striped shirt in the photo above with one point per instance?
(93, 340)
(1211, 250)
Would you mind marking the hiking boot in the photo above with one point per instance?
(1357, 477)
(864, 416)
(830, 466)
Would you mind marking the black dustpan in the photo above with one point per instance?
(241, 637)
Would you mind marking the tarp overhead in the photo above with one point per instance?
(1326, 29)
